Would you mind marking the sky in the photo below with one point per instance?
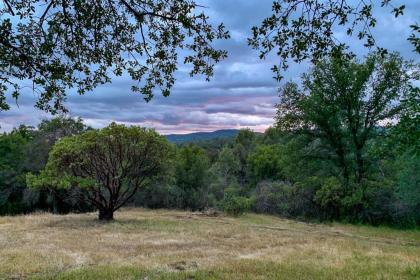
(241, 94)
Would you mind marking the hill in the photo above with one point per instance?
(201, 136)
(162, 244)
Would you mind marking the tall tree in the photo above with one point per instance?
(343, 102)
(265, 163)
(110, 165)
(405, 134)
(59, 45)
(226, 166)
(47, 134)
(191, 170)
(301, 30)
(12, 169)
(26, 149)
(224, 172)
(244, 145)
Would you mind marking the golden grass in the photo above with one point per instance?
(162, 244)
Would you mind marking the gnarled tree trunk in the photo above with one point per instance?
(106, 215)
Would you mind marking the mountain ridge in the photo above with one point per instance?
(201, 136)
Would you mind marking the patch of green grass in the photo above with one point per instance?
(162, 244)
(357, 268)
(381, 231)
(256, 219)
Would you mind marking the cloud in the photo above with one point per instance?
(242, 92)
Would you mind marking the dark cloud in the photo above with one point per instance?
(241, 94)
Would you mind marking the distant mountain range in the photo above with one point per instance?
(201, 136)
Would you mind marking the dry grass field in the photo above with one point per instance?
(150, 244)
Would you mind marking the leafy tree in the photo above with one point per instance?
(59, 127)
(343, 102)
(301, 30)
(81, 44)
(342, 110)
(47, 134)
(265, 162)
(226, 166)
(12, 169)
(407, 191)
(110, 165)
(405, 135)
(191, 171)
(244, 145)
(214, 146)
(224, 172)
(26, 149)
(273, 135)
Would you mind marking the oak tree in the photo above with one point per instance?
(344, 102)
(62, 44)
(109, 165)
(300, 30)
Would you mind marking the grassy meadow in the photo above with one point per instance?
(163, 244)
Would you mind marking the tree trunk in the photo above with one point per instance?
(106, 215)
(360, 165)
(342, 162)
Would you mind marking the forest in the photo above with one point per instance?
(344, 147)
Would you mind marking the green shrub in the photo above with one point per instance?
(235, 205)
(329, 197)
(273, 197)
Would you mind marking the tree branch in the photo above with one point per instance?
(9, 7)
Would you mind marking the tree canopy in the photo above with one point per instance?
(59, 45)
(110, 165)
(344, 101)
(300, 30)
(191, 170)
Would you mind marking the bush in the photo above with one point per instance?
(329, 197)
(404, 216)
(286, 199)
(235, 205)
(273, 197)
(408, 185)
